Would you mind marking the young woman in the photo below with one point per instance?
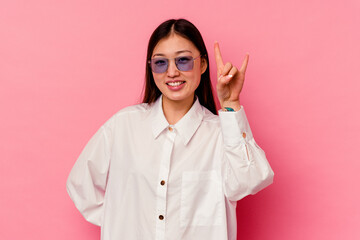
(170, 167)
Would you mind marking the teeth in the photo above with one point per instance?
(174, 84)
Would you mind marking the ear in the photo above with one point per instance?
(204, 65)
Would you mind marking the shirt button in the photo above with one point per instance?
(161, 217)
(170, 129)
(244, 135)
(162, 182)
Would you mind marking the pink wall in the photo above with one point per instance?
(67, 66)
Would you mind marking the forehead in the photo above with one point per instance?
(174, 43)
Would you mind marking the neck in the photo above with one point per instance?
(175, 110)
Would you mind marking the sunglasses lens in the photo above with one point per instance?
(159, 65)
(184, 63)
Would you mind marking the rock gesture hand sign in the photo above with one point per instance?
(230, 80)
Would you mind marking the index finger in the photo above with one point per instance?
(218, 58)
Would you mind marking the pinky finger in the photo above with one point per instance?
(245, 63)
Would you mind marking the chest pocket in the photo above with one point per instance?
(202, 201)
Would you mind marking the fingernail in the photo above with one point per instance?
(229, 76)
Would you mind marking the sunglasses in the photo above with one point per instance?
(183, 63)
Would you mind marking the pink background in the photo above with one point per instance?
(67, 66)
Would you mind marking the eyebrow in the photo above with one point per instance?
(178, 52)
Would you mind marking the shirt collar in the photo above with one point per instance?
(186, 126)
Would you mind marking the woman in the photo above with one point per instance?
(170, 168)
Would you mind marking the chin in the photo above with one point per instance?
(177, 97)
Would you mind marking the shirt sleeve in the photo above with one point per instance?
(245, 169)
(86, 183)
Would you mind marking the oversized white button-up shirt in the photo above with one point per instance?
(140, 178)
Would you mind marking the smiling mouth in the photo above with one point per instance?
(175, 84)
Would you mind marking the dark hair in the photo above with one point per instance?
(187, 30)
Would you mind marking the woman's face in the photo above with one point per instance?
(168, 82)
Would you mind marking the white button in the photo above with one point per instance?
(171, 129)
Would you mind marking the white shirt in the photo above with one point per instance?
(140, 178)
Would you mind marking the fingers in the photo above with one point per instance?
(233, 71)
(229, 69)
(228, 73)
(244, 65)
(218, 58)
(226, 69)
(223, 81)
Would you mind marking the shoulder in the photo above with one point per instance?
(133, 109)
(209, 117)
(131, 112)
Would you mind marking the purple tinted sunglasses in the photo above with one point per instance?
(183, 63)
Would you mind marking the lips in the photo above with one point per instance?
(175, 83)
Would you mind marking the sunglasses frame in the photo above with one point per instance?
(168, 60)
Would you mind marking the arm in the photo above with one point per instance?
(86, 183)
(245, 169)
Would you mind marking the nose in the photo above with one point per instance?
(172, 70)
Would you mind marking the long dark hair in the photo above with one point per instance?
(187, 30)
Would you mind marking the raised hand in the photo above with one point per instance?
(230, 80)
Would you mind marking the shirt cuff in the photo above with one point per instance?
(235, 127)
